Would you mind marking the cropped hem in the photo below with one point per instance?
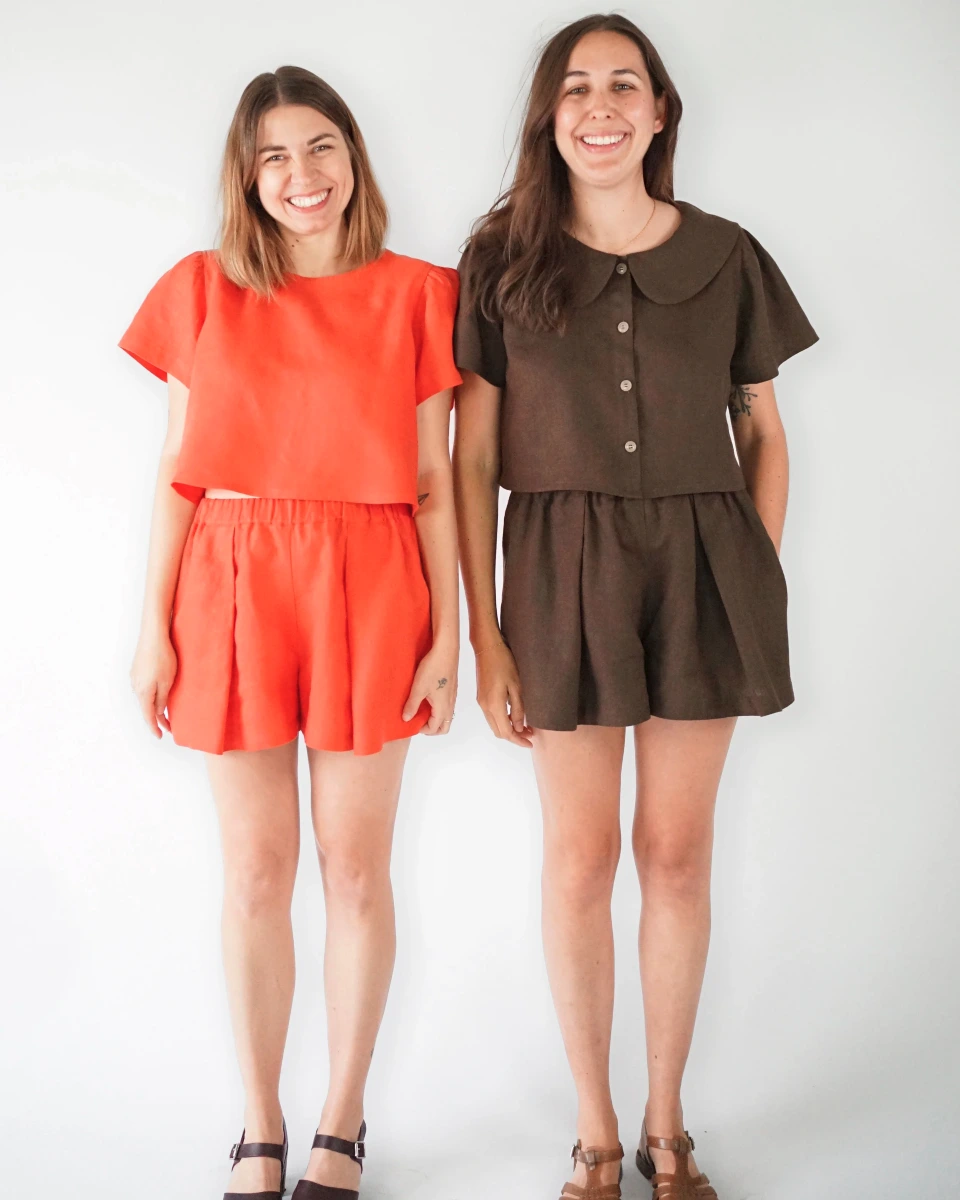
(416, 724)
(744, 708)
(657, 491)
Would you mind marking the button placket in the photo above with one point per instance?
(626, 359)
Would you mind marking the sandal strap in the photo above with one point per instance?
(592, 1155)
(243, 1149)
(608, 1191)
(356, 1150)
(679, 1145)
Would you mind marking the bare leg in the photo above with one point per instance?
(679, 764)
(354, 811)
(578, 775)
(256, 799)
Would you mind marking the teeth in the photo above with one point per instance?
(309, 201)
(609, 139)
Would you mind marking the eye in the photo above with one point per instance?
(273, 158)
(324, 146)
(574, 90)
(628, 86)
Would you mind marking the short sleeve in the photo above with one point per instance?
(163, 335)
(771, 325)
(478, 341)
(436, 370)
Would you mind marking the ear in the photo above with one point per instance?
(660, 107)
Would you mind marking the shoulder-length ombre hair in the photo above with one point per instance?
(516, 259)
(252, 252)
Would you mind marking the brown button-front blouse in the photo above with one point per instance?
(631, 399)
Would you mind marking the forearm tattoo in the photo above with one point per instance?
(422, 497)
(442, 682)
(740, 400)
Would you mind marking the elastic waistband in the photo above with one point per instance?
(235, 511)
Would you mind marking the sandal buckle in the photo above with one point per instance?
(233, 1150)
(359, 1150)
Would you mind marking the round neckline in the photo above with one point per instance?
(677, 204)
(340, 274)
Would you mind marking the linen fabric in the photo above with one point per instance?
(297, 615)
(638, 578)
(310, 394)
(619, 609)
(631, 399)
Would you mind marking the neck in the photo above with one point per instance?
(319, 253)
(607, 218)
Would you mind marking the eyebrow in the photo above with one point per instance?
(618, 71)
(321, 137)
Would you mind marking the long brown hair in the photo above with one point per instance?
(516, 249)
(252, 252)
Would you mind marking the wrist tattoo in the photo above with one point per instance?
(740, 400)
(442, 682)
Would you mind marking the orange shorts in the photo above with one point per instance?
(298, 615)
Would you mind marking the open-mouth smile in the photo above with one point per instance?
(309, 203)
(602, 143)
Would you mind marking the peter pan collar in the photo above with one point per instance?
(669, 273)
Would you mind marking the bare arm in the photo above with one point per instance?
(476, 473)
(154, 664)
(762, 449)
(436, 678)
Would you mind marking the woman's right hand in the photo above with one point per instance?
(499, 694)
(151, 675)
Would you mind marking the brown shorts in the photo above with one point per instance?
(619, 609)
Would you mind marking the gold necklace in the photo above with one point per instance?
(634, 237)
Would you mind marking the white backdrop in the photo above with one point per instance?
(825, 1060)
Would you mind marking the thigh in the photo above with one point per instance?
(255, 792)
(679, 764)
(354, 799)
(578, 777)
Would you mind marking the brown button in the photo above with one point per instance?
(623, 326)
(625, 385)
(621, 268)
(629, 447)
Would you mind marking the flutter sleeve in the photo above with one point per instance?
(436, 370)
(478, 341)
(163, 334)
(771, 325)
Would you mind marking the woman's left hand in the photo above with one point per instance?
(435, 682)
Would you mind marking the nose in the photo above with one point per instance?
(302, 169)
(601, 110)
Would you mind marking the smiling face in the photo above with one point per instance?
(304, 173)
(606, 114)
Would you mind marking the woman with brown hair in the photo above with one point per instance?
(604, 331)
(302, 575)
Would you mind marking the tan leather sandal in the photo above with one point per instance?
(591, 1157)
(681, 1185)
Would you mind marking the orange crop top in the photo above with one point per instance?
(311, 395)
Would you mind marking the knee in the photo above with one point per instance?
(260, 882)
(674, 864)
(581, 871)
(351, 878)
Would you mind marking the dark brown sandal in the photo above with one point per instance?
(681, 1185)
(591, 1157)
(306, 1189)
(244, 1149)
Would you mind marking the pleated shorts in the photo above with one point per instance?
(298, 615)
(619, 609)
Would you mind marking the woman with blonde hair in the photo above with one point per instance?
(605, 330)
(302, 575)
